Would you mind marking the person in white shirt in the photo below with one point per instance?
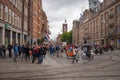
(74, 54)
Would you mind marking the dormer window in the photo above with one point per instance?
(95, 2)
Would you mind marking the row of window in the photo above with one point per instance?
(1, 11)
(17, 4)
(11, 17)
(118, 8)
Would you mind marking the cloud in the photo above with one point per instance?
(59, 10)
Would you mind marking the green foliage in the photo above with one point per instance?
(67, 37)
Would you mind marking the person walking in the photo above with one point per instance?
(51, 50)
(22, 52)
(26, 50)
(44, 51)
(111, 48)
(10, 50)
(74, 54)
(58, 50)
(31, 49)
(19, 50)
(40, 54)
(15, 52)
(0, 51)
(35, 53)
(4, 50)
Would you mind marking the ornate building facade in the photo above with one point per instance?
(101, 27)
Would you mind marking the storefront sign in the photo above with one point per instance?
(7, 26)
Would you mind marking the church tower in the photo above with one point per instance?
(64, 26)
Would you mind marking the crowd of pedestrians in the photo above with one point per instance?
(38, 52)
(56, 50)
(24, 52)
(34, 53)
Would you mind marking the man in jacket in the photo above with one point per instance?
(10, 50)
(0, 51)
(4, 50)
(15, 52)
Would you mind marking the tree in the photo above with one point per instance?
(70, 36)
(67, 37)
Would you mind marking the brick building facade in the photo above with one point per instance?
(11, 19)
(39, 21)
(20, 19)
(101, 27)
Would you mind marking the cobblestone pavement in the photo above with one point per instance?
(102, 67)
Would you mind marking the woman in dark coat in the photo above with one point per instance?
(4, 50)
(40, 54)
(26, 50)
(0, 51)
(10, 50)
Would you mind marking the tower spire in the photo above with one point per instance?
(65, 21)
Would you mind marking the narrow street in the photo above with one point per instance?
(103, 67)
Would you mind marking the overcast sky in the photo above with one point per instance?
(59, 10)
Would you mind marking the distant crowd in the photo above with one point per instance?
(38, 52)
(29, 53)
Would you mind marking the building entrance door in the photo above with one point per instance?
(14, 38)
